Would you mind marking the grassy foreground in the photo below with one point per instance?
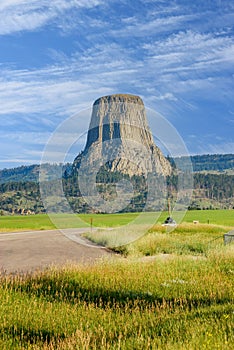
(180, 300)
(175, 303)
(190, 239)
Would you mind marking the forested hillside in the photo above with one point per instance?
(20, 190)
(211, 191)
(27, 173)
(210, 162)
(22, 173)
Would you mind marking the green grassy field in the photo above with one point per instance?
(43, 222)
(176, 303)
(174, 291)
(218, 217)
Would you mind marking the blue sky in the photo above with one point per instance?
(58, 56)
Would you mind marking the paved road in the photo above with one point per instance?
(27, 251)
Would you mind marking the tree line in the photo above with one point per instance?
(216, 190)
(209, 162)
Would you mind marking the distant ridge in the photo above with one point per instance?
(207, 162)
(210, 162)
(29, 173)
(21, 173)
(20, 189)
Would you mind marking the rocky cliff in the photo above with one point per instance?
(119, 136)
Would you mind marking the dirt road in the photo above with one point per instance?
(27, 251)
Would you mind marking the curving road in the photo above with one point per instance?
(31, 250)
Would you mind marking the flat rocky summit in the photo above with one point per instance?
(119, 98)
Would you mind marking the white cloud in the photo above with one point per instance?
(35, 138)
(191, 63)
(139, 28)
(167, 96)
(181, 63)
(164, 56)
(68, 87)
(41, 95)
(19, 147)
(11, 23)
(14, 162)
(20, 15)
(191, 51)
(219, 148)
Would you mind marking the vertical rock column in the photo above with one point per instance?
(119, 134)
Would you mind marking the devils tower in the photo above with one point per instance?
(119, 136)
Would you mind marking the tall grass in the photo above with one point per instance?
(177, 303)
(186, 238)
(184, 301)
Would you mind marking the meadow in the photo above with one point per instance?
(43, 221)
(49, 222)
(186, 238)
(167, 290)
(176, 303)
(190, 239)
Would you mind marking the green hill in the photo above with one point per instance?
(209, 162)
(20, 192)
(29, 173)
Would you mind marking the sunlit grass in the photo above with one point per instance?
(190, 239)
(46, 222)
(216, 217)
(52, 221)
(175, 303)
(183, 300)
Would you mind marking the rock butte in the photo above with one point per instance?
(119, 133)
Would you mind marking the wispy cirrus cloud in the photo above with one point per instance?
(182, 63)
(139, 28)
(23, 15)
(225, 147)
(177, 56)
(20, 147)
(191, 50)
(52, 98)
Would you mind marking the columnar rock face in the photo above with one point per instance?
(120, 137)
